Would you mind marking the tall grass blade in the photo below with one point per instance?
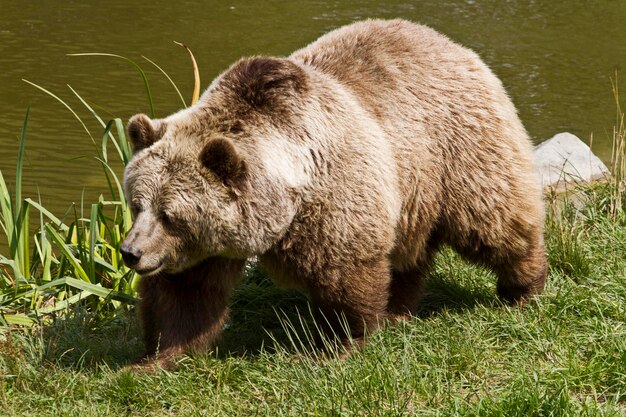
(99, 291)
(105, 135)
(21, 226)
(121, 145)
(20, 164)
(93, 238)
(57, 223)
(44, 248)
(124, 144)
(168, 78)
(16, 271)
(23, 234)
(66, 250)
(30, 291)
(105, 156)
(6, 206)
(137, 66)
(196, 74)
(618, 157)
(61, 305)
(97, 117)
(127, 220)
(45, 256)
(19, 320)
(15, 216)
(51, 94)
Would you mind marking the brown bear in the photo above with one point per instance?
(344, 168)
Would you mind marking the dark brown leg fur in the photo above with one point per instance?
(185, 312)
(406, 290)
(358, 293)
(522, 277)
(519, 275)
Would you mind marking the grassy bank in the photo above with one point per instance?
(465, 353)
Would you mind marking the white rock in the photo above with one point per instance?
(565, 159)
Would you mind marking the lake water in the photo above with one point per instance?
(556, 59)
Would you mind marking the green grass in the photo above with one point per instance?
(68, 330)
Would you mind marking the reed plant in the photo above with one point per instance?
(74, 259)
(66, 261)
(617, 181)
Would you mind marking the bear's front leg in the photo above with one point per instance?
(354, 295)
(185, 312)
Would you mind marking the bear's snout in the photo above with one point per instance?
(146, 248)
(130, 254)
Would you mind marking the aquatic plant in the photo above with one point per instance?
(74, 259)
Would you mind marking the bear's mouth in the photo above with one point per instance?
(150, 271)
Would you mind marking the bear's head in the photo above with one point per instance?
(213, 179)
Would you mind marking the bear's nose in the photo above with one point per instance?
(130, 254)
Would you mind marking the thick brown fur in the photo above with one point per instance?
(344, 167)
(185, 312)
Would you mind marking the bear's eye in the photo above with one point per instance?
(166, 218)
(135, 208)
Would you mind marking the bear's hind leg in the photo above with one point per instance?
(521, 269)
(520, 277)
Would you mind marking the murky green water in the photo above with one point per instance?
(556, 59)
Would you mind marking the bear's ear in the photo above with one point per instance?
(259, 81)
(143, 132)
(221, 157)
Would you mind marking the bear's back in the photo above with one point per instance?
(454, 131)
(391, 65)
